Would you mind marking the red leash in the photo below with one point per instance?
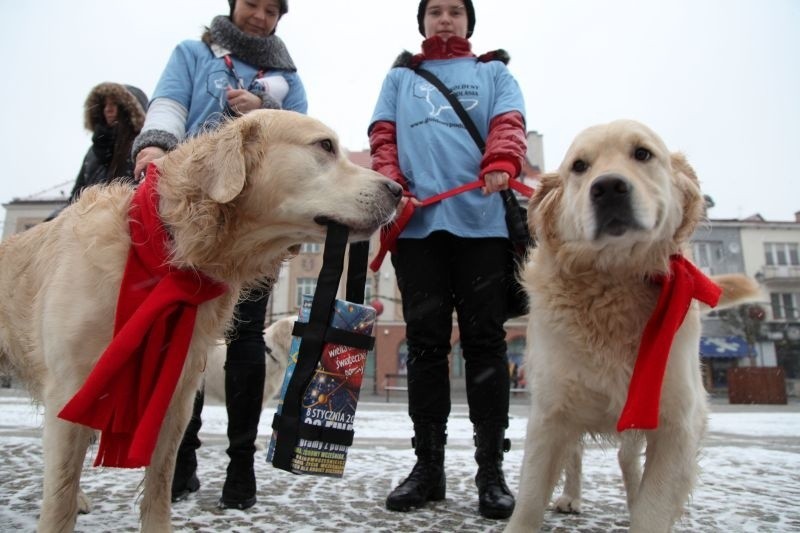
(390, 233)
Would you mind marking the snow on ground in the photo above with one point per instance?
(750, 479)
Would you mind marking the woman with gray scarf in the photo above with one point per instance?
(238, 66)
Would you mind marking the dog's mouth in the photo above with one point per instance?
(360, 229)
(323, 220)
(375, 207)
(616, 225)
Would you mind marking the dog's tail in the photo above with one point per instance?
(737, 289)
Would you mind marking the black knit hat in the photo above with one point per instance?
(467, 6)
(284, 6)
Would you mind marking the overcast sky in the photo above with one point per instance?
(717, 79)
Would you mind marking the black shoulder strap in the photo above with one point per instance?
(456, 105)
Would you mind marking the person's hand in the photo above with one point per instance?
(146, 155)
(242, 101)
(403, 201)
(495, 181)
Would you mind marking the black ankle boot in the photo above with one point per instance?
(427, 480)
(494, 498)
(239, 490)
(184, 480)
(244, 391)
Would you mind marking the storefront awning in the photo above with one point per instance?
(724, 347)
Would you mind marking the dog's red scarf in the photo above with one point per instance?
(127, 393)
(683, 283)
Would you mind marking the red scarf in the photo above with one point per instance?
(127, 393)
(437, 48)
(684, 283)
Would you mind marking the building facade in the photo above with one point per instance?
(765, 333)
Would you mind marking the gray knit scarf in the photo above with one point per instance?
(262, 52)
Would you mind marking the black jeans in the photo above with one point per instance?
(437, 274)
(246, 345)
(245, 355)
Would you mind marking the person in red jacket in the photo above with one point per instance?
(452, 254)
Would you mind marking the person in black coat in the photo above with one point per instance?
(114, 113)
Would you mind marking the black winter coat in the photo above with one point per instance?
(108, 140)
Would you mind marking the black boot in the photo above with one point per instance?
(427, 480)
(244, 392)
(184, 480)
(494, 498)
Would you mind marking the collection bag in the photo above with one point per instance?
(313, 424)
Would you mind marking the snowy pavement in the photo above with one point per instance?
(750, 479)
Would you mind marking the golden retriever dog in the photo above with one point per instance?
(233, 202)
(620, 205)
(278, 337)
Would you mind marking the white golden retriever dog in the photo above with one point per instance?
(619, 206)
(278, 337)
(234, 202)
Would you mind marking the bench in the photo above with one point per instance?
(394, 382)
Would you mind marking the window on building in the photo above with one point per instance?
(402, 358)
(785, 305)
(305, 286)
(457, 361)
(707, 254)
(368, 291)
(516, 362)
(782, 253)
(369, 367)
(310, 248)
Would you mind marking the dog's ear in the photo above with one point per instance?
(547, 182)
(693, 204)
(220, 165)
(682, 166)
(541, 199)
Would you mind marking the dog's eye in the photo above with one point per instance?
(327, 145)
(642, 154)
(580, 166)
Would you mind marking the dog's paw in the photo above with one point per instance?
(567, 504)
(84, 503)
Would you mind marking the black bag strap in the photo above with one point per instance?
(358, 257)
(357, 272)
(339, 336)
(315, 333)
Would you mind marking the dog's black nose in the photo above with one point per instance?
(394, 188)
(611, 197)
(610, 189)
